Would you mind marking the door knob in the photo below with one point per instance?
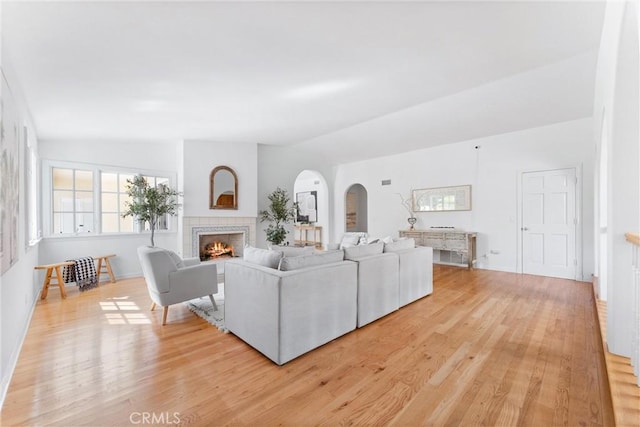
(524, 229)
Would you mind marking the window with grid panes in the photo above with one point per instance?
(113, 196)
(73, 201)
(88, 199)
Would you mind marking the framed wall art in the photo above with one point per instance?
(307, 206)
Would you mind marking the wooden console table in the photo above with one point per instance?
(307, 235)
(455, 247)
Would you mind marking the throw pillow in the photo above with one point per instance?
(294, 251)
(349, 240)
(265, 257)
(175, 258)
(363, 250)
(298, 262)
(400, 245)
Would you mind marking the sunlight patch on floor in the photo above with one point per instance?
(120, 313)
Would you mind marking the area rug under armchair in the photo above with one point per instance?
(203, 308)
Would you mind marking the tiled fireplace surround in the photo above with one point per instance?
(193, 227)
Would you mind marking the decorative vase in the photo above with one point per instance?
(412, 221)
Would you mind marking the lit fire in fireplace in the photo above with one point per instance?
(217, 250)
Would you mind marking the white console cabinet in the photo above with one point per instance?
(450, 246)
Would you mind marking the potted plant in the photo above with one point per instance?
(149, 203)
(279, 213)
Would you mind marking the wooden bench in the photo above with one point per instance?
(104, 266)
(103, 263)
(48, 276)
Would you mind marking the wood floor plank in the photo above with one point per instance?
(487, 348)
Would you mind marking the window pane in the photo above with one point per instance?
(62, 179)
(123, 199)
(109, 181)
(163, 181)
(162, 223)
(62, 223)
(84, 180)
(84, 201)
(109, 202)
(150, 180)
(84, 223)
(110, 223)
(126, 224)
(63, 201)
(123, 182)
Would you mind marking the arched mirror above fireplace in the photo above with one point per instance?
(223, 188)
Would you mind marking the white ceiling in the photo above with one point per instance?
(361, 79)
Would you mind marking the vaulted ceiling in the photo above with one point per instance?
(348, 79)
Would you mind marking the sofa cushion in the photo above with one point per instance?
(400, 245)
(264, 257)
(294, 251)
(363, 250)
(303, 261)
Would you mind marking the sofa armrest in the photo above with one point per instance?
(416, 273)
(378, 286)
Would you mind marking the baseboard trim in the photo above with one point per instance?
(13, 361)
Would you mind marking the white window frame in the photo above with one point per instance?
(97, 169)
(32, 202)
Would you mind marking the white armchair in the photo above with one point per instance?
(171, 280)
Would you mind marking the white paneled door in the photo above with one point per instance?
(549, 223)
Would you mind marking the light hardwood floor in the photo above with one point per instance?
(487, 348)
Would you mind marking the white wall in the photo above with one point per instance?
(200, 158)
(616, 104)
(279, 167)
(493, 170)
(158, 156)
(19, 287)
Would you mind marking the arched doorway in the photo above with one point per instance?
(356, 215)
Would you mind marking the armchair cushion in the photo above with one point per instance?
(176, 259)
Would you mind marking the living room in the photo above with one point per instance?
(486, 134)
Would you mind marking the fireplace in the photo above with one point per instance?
(220, 246)
(220, 242)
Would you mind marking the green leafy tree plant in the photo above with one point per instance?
(150, 204)
(279, 213)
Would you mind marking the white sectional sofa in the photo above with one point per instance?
(284, 314)
(286, 305)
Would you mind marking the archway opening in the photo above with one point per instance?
(356, 206)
